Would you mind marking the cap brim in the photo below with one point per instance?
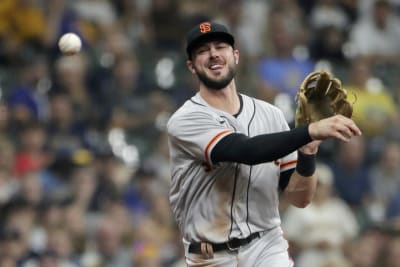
(212, 36)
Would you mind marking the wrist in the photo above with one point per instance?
(312, 131)
(304, 129)
(306, 164)
(310, 148)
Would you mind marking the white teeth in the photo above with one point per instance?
(213, 67)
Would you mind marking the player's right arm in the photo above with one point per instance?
(201, 135)
(237, 147)
(240, 148)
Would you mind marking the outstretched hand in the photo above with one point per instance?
(338, 127)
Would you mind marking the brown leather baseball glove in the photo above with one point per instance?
(321, 96)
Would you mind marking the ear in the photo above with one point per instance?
(236, 56)
(189, 65)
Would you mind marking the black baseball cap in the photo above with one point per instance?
(207, 31)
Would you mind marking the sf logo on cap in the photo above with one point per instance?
(205, 27)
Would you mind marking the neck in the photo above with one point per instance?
(225, 99)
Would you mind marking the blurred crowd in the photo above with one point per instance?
(84, 168)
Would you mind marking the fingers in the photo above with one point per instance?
(356, 131)
(345, 128)
(343, 136)
(351, 127)
(339, 127)
(341, 132)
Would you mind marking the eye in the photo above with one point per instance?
(221, 45)
(201, 50)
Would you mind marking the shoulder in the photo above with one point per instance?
(191, 108)
(190, 114)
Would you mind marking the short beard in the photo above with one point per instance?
(217, 84)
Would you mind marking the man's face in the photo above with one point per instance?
(214, 63)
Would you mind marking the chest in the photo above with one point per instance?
(251, 123)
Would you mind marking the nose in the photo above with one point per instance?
(213, 52)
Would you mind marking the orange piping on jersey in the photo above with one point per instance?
(288, 163)
(213, 140)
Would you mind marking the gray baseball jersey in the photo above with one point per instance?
(217, 202)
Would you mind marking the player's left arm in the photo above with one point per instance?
(302, 183)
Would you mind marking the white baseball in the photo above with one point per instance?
(70, 43)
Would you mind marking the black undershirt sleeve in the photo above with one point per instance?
(261, 148)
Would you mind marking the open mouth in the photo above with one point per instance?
(216, 66)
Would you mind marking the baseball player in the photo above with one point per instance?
(231, 155)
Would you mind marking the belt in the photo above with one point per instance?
(232, 245)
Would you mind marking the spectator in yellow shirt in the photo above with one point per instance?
(374, 106)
